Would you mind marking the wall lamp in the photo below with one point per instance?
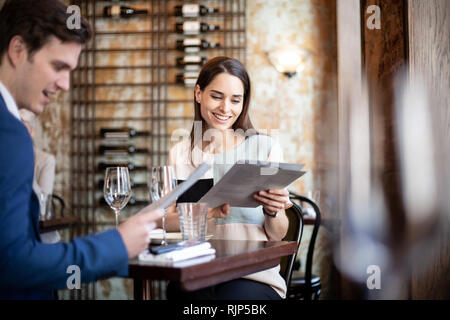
(289, 60)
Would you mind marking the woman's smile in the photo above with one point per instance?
(221, 118)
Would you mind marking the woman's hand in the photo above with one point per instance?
(172, 209)
(172, 220)
(273, 200)
(219, 212)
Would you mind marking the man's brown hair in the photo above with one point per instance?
(35, 21)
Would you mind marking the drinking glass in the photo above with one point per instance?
(43, 199)
(193, 220)
(162, 181)
(117, 189)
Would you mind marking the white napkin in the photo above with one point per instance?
(169, 258)
(158, 234)
(193, 261)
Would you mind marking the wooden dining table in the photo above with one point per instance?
(233, 259)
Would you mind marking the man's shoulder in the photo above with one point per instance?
(16, 147)
(13, 133)
(8, 122)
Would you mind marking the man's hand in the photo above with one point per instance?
(135, 230)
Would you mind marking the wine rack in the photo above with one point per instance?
(127, 78)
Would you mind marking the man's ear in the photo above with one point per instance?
(198, 93)
(17, 50)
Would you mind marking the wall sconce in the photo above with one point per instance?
(288, 60)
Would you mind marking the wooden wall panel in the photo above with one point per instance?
(385, 54)
(414, 35)
(349, 76)
(376, 54)
(349, 71)
(429, 34)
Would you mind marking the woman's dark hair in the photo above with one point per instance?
(35, 21)
(209, 71)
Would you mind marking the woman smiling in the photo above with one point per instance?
(221, 106)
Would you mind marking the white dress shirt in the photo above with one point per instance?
(9, 100)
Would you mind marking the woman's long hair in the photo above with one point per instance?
(209, 71)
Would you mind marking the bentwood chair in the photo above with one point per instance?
(59, 220)
(58, 206)
(294, 233)
(307, 286)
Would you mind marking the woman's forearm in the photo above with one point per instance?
(276, 228)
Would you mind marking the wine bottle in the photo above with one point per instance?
(130, 165)
(120, 150)
(187, 78)
(134, 184)
(192, 45)
(193, 10)
(194, 27)
(132, 202)
(190, 60)
(122, 133)
(116, 11)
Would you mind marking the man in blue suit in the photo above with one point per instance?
(37, 53)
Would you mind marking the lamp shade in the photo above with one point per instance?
(288, 60)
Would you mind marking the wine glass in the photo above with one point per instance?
(117, 189)
(162, 181)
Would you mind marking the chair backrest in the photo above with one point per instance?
(294, 233)
(58, 206)
(312, 241)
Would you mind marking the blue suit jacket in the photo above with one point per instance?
(30, 269)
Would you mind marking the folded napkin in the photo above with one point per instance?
(191, 262)
(188, 252)
(158, 234)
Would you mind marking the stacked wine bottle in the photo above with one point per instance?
(121, 11)
(116, 147)
(194, 30)
(193, 44)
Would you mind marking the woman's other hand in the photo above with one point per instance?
(219, 212)
(273, 200)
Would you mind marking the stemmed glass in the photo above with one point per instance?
(162, 181)
(117, 189)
